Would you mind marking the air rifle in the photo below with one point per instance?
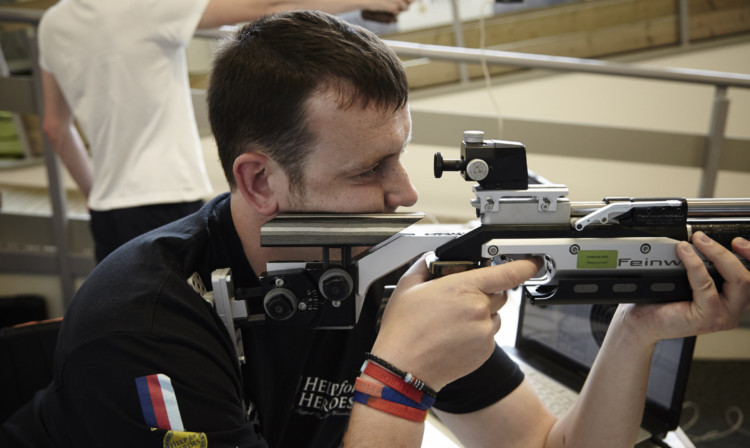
(614, 251)
(618, 250)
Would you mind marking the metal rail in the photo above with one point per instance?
(569, 64)
(63, 261)
(21, 15)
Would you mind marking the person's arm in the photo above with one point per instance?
(228, 12)
(609, 409)
(607, 413)
(438, 330)
(62, 134)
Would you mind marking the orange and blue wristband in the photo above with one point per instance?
(389, 407)
(398, 393)
(380, 391)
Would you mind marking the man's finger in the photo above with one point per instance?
(505, 276)
(736, 277)
(700, 281)
(726, 263)
(489, 280)
(742, 247)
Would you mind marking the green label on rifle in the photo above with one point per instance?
(597, 259)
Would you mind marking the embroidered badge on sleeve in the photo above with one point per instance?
(158, 402)
(178, 439)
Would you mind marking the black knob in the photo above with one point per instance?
(280, 304)
(335, 288)
(440, 165)
(336, 284)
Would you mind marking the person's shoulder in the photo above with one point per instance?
(55, 22)
(48, 19)
(54, 14)
(126, 290)
(174, 246)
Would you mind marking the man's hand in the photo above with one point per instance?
(385, 11)
(442, 329)
(393, 7)
(710, 310)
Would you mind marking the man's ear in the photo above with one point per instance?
(251, 172)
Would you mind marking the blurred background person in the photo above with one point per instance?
(120, 70)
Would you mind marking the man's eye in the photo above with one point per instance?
(369, 173)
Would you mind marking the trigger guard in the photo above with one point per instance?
(545, 274)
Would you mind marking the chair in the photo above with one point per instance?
(26, 358)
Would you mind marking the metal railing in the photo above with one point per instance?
(30, 89)
(715, 141)
(720, 80)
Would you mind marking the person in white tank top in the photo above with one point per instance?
(120, 70)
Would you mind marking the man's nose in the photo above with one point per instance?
(400, 192)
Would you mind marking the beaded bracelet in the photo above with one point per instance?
(386, 393)
(396, 409)
(407, 377)
(393, 381)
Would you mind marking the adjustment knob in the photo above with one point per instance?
(473, 136)
(441, 165)
(280, 303)
(477, 170)
(437, 167)
(336, 284)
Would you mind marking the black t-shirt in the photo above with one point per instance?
(143, 360)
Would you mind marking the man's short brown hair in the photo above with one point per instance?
(262, 78)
